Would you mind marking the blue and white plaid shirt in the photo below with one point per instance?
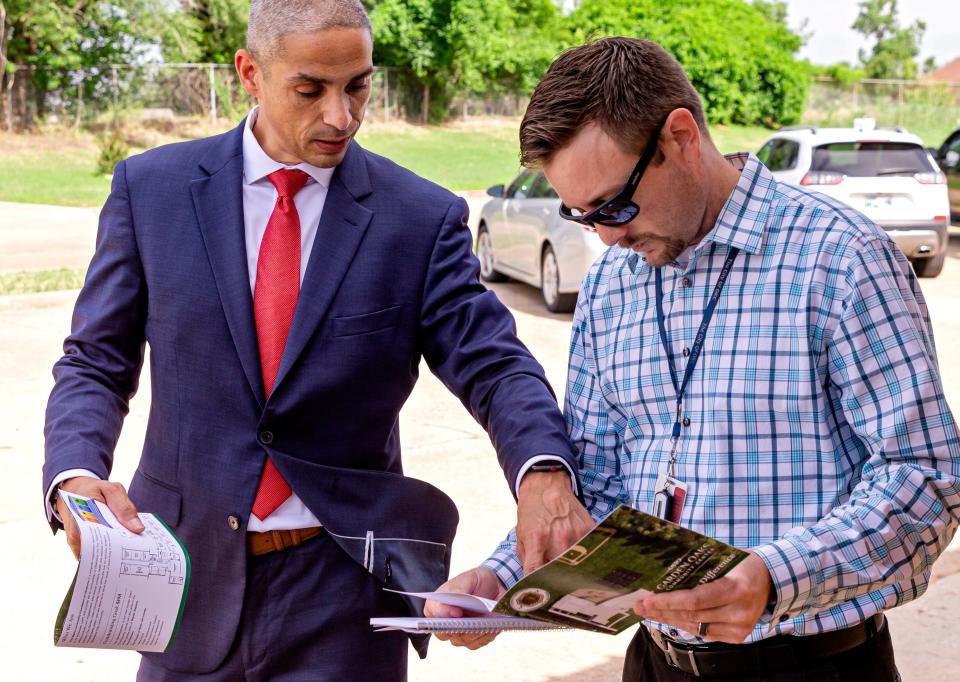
(819, 436)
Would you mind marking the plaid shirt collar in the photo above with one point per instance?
(744, 215)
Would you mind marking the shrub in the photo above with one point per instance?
(113, 149)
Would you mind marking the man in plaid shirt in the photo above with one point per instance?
(812, 429)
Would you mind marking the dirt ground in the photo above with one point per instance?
(442, 444)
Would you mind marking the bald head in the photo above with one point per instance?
(270, 20)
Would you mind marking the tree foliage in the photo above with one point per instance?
(895, 50)
(467, 46)
(216, 29)
(741, 57)
(59, 37)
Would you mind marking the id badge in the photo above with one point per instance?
(669, 499)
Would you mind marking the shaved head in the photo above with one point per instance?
(271, 20)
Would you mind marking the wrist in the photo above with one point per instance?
(536, 479)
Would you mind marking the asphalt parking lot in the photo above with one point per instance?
(442, 444)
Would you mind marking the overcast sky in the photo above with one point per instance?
(832, 40)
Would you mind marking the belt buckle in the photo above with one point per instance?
(693, 662)
(671, 652)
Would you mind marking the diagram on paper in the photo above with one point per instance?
(152, 563)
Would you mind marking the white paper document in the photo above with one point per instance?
(129, 590)
(486, 622)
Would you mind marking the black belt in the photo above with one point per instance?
(766, 656)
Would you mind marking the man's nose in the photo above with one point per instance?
(336, 110)
(610, 235)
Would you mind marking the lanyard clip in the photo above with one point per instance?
(676, 422)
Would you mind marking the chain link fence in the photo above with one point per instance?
(97, 98)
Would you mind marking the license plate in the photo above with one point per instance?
(878, 201)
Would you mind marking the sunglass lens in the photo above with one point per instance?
(617, 215)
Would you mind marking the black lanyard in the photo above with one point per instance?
(697, 343)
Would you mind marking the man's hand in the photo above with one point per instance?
(550, 518)
(731, 606)
(479, 581)
(113, 494)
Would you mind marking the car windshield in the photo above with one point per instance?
(870, 159)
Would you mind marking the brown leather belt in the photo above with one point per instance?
(767, 655)
(279, 540)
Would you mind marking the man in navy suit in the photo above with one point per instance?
(289, 283)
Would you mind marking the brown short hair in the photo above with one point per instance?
(625, 85)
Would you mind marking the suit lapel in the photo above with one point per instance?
(342, 226)
(218, 199)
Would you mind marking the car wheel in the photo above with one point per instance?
(930, 267)
(485, 256)
(550, 284)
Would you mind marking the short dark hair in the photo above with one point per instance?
(625, 85)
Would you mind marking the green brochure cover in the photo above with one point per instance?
(595, 583)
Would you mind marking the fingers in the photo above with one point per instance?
(470, 640)
(549, 518)
(70, 528)
(116, 498)
(534, 552)
(434, 609)
(732, 605)
(480, 581)
(711, 595)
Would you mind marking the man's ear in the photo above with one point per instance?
(249, 71)
(682, 133)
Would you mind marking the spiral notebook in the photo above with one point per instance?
(470, 624)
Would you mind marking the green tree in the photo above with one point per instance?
(741, 57)
(60, 37)
(467, 46)
(895, 50)
(218, 28)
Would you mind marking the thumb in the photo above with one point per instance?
(122, 507)
(434, 609)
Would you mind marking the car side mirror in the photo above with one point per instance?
(951, 160)
(496, 191)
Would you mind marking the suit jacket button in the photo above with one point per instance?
(233, 522)
(266, 437)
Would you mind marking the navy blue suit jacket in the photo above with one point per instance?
(391, 279)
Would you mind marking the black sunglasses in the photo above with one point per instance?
(620, 209)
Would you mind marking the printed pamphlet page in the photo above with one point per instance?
(594, 584)
(129, 590)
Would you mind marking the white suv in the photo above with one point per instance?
(887, 174)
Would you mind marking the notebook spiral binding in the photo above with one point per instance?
(484, 625)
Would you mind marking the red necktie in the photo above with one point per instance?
(274, 302)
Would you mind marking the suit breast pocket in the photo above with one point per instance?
(366, 323)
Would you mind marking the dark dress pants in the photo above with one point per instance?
(872, 661)
(306, 615)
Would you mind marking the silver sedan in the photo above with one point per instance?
(522, 236)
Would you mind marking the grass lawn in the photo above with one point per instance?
(41, 170)
(38, 281)
(458, 158)
(47, 175)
